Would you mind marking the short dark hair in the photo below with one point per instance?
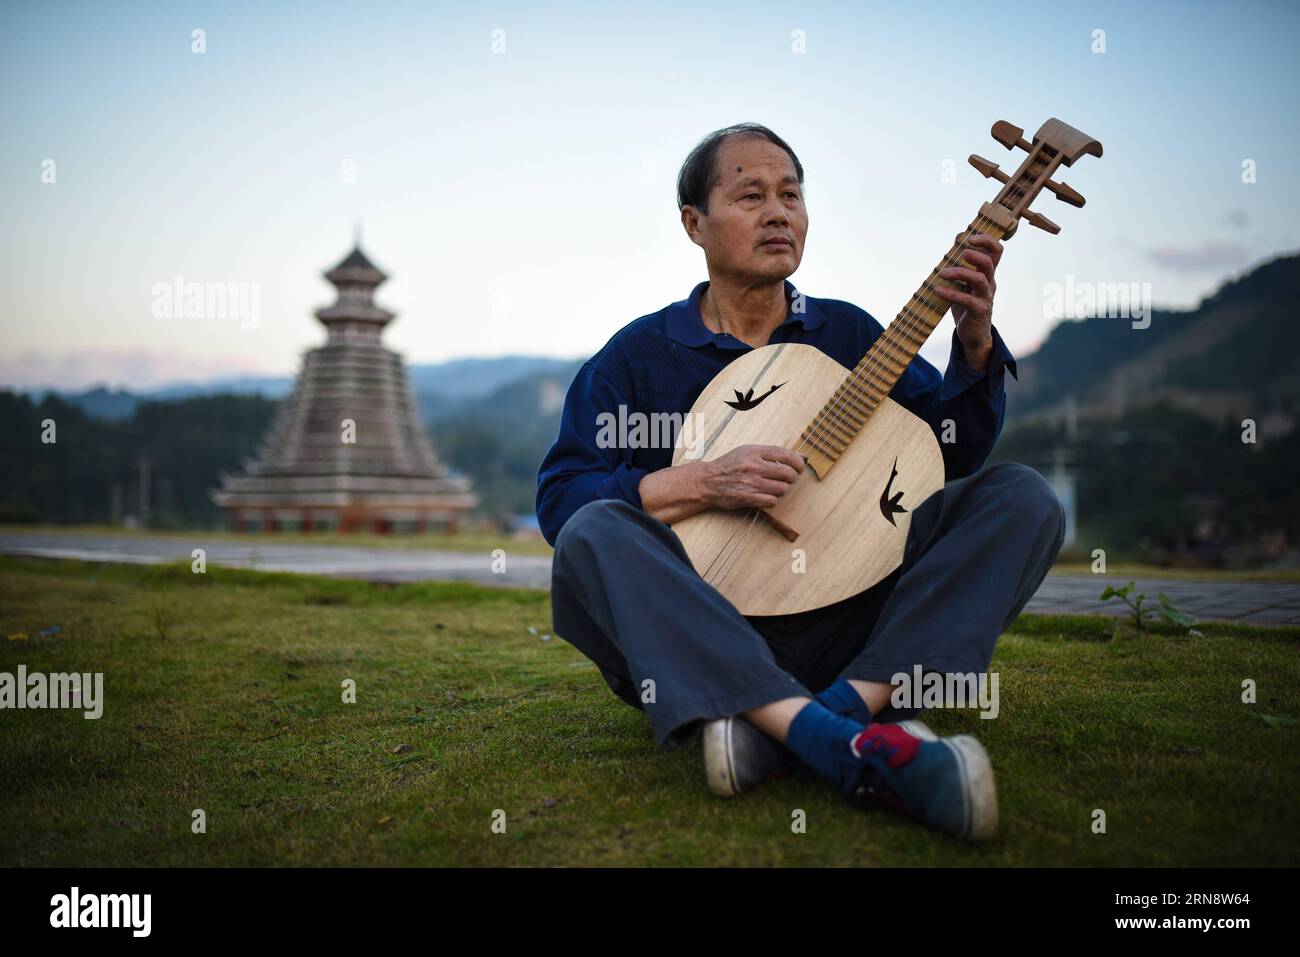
(697, 174)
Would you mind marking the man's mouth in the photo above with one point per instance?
(779, 243)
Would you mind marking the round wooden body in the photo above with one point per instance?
(851, 523)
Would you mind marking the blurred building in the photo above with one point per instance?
(1064, 483)
(347, 451)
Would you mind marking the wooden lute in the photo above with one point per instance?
(842, 525)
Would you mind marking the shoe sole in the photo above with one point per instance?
(979, 792)
(717, 758)
(721, 771)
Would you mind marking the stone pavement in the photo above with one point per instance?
(1252, 602)
(368, 564)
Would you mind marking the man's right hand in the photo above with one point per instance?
(750, 476)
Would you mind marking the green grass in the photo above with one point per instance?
(468, 541)
(223, 693)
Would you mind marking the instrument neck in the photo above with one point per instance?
(889, 356)
(847, 411)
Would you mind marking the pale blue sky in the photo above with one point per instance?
(524, 201)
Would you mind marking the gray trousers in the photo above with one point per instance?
(625, 594)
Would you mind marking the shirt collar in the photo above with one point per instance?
(685, 325)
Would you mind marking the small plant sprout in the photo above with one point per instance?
(1166, 611)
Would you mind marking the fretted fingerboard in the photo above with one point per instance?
(847, 411)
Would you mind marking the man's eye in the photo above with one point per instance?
(750, 196)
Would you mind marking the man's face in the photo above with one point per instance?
(755, 198)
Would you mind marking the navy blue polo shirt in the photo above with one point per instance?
(660, 363)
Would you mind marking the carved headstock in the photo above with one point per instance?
(1055, 144)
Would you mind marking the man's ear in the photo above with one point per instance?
(691, 223)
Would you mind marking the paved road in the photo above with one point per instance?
(369, 564)
(1262, 603)
(1255, 603)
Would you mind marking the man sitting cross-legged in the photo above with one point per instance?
(814, 686)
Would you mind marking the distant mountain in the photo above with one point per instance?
(439, 386)
(111, 405)
(470, 378)
(117, 405)
(501, 438)
(1234, 355)
(1147, 423)
(462, 387)
(269, 387)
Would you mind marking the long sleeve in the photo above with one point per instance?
(582, 466)
(964, 404)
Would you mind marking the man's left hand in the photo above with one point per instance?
(972, 308)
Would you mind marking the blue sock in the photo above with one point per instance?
(823, 741)
(843, 699)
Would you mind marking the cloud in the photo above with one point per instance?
(1206, 257)
(134, 369)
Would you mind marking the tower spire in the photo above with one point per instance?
(354, 314)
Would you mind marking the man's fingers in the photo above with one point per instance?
(988, 243)
(978, 306)
(779, 471)
(773, 487)
(981, 261)
(977, 280)
(771, 471)
(779, 453)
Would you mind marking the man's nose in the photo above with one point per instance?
(774, 211)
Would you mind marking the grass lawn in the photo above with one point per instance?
(222, 692)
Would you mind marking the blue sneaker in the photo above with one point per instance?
(947, 783)
(738, 757)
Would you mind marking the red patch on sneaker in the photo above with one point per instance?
(897, 745)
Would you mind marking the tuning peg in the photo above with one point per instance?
(1010, 136)
(987, 169)
(1042, 222)
(1064, 193)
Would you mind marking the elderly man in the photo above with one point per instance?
(813, 687)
